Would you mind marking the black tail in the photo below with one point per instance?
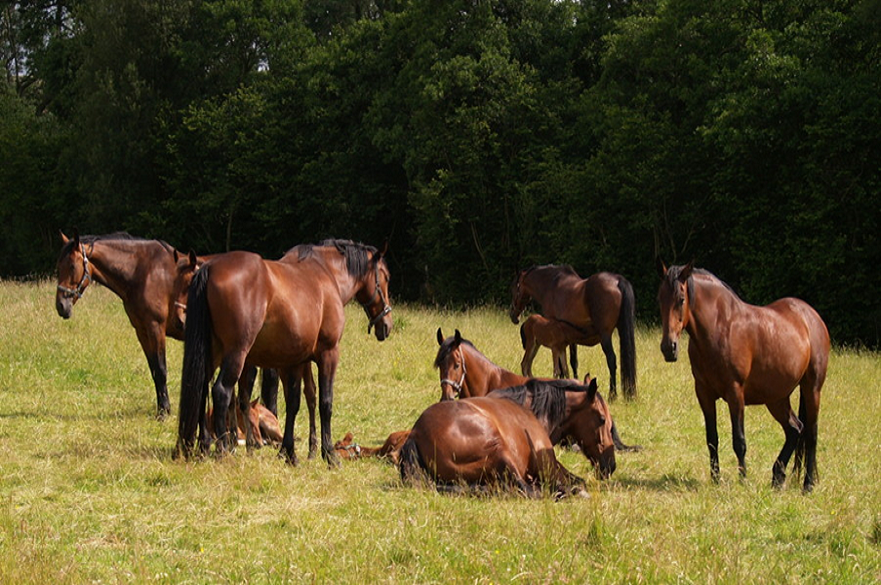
(523, 336)
(197, 361)
(627, 337)
(413, 470)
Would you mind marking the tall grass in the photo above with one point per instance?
(90, 493)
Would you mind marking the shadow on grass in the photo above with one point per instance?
(665, 483)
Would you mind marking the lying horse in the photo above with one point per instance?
(348, 449)
(466, 372)
(264, 425)
(537, 331)
(508, 438)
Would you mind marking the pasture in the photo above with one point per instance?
(90, 492)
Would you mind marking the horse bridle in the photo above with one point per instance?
(84, 281)
(457, 386)
(377, 292)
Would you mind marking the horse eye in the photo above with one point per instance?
(681, 301)
(602, 421)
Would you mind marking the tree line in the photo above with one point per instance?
(475, 136)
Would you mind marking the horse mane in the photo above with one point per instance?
(355, 253)
(674, 272)
(558, 270)
(446, 348)
(548, 398)
(113, 237)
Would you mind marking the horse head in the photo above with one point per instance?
(74, 274)
(374, 297)
(589, 424)
(519, 297)
(450, 362)
(674, 300)
(186, 268)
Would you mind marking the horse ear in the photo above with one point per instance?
(686, 271)
(662, 268)
(383, 251)
(592, 390)
(458, 337)
(76, 237)
(194, 260)
(64, 239)
(440, 336)
(176, 256)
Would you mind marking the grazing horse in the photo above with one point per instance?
(465, 372)
(244, 310)
(508, 437)
(140, 272)
(746, 354)
(537, 331)
(596, 305)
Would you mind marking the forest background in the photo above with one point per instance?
(476, 137)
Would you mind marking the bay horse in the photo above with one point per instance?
(245, 310)
(264, 425)
(508, 437)
(347, 448)
(596, 305)
(465, 373)
(537, 331)
(140, 272)
(746, 354)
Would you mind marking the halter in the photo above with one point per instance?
(377, 292)
(84, 281)
(457, 386)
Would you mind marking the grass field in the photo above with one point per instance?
(90, 493)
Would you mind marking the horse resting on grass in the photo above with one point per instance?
(264, 425)
(746, 354)
(465, 372)
(347, 448)
(507, 438)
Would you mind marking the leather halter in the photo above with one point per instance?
(457, 386)
(377, 292)
(84, 281)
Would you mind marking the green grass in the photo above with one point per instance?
(89, 493)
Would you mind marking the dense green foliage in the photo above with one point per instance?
(476, 136)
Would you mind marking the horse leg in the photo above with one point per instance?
(708, 407)
(530, 348)
(809, 410)
(792, 428)
(246, 387)
(327, 364)
(561, 369)
(611, 361)
(152, 339)
(573, 358)
(290, 380)
(269, 390)
(309, 393)
(226, 427)
(738, 436)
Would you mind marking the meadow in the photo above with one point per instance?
(89, 492)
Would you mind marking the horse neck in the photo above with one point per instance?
(112, 266)
(541, 285)
(335, 263)
(482, 376)
(712, 302)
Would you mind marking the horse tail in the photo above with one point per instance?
(413, 468)
(627, 337)
(801, 443)
(523, 335)
(197, 360)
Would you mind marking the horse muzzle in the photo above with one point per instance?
(64, 306)
(670, 349)
(515, 316)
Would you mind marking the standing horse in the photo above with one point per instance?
(244, 310)
(465, 372)
(140, 272)
(597, 305)
(508, 437)
(746, 354)
(557, 335)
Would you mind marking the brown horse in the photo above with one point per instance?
(746, 354)
(557, 335)
(465, 372)
(244, 310)
(508, 437)
(264, 425)
(140, 272)
(596, 306)
(347, 448)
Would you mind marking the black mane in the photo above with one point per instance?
(357, 255)
(548, 398)
(114, 237)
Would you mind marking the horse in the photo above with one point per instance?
(140, 272)
(747, 354)
(264, 425)
(347, 448)
(596, 306)
(245, 310)
(465, 372)
(508, 437)
(538, 331)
